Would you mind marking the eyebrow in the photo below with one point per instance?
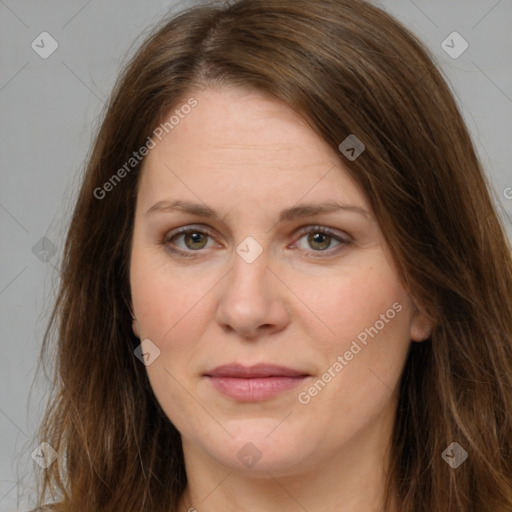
(295, 212)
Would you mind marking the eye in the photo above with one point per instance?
(320, 239)
(194, 239)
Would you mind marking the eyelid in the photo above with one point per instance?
(335, 233)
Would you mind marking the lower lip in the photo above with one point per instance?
(255, 389)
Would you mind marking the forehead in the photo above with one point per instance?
(242, 145)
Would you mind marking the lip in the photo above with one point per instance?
(254, 371)
(254, 383)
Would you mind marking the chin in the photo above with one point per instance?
(256, 453)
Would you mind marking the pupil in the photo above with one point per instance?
(317, 238)
(194, 238)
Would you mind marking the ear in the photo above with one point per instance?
(421, 325)
(135, 324)
(135, 327)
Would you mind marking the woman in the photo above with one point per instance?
(285, 286)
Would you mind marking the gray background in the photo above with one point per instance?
(49, 108)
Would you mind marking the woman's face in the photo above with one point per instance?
(264, 282)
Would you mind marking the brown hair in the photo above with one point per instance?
(347, 68)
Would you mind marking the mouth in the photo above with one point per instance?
(254, 383)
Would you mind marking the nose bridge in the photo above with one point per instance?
(249, 278)
(250, 268)
(249, 299)
(250, 260)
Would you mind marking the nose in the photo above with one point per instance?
(252, 300)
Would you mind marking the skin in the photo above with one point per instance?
(249, 156)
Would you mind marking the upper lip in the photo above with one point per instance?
(254, 371)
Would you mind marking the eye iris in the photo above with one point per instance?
(194, 237)
(316, 238)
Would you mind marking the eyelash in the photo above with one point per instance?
(304, 231)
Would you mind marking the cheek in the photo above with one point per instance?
(167, 311)
(366, 315)
(163, 299)
(173, 310)
(345, 304)
(370, 316)
(171, 318)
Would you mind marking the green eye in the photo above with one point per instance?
(321, 240)
(194, 240)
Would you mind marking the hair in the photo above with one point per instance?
(346, 67)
